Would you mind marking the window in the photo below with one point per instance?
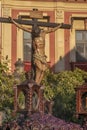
(27, 40)
(81, 45)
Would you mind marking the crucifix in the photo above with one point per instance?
(38, 30)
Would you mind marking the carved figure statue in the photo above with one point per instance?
(38, 41)
(39, 53)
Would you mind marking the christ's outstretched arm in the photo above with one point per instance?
(53, 29)
(20, 26)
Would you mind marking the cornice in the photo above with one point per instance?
(29, 4)
(68, 1)
(75, 7)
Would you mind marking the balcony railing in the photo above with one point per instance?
(27, 66)
(80, 65)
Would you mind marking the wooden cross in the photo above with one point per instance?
(38, 58)
(34, 16)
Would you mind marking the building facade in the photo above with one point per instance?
(64, 48)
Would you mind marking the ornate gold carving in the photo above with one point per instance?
(59, 14)
(6, 12)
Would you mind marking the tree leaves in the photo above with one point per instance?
(6, 84)
(60, 88)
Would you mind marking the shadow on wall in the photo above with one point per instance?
(70, 61)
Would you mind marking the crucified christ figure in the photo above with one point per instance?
(38, 41)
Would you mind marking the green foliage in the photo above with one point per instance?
(6, 90)
(58, 87)
(61, 88)
(6, 83)
(7, 80)
(21, 100)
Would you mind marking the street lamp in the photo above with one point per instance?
(19, 65)
(19, 68)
